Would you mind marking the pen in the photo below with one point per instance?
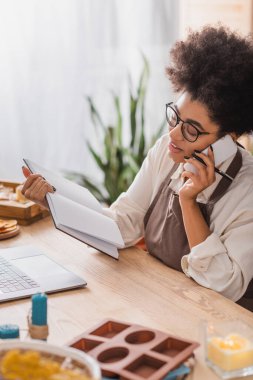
(220, 172)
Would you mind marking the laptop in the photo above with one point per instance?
(26, 270)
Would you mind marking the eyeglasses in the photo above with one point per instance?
(189, 131)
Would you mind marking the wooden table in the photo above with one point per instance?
(137, 288)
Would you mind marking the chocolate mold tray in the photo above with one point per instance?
(132, 351)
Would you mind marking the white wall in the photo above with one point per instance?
(53, 53)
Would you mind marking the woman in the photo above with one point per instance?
(199, 223)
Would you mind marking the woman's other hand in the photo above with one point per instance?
(195, 183)
(36, 187)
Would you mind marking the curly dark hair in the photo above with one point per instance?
(215, 65)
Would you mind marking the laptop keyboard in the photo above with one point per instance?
(13, 279)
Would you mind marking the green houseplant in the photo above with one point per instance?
(119, 162)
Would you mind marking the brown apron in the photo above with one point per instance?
(165, 235)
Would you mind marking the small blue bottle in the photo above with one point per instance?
(9, 331)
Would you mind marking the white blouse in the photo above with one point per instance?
(224, 261)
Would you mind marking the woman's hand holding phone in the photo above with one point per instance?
(200, 179)
(204, 171)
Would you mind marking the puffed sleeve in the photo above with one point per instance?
(224, 261)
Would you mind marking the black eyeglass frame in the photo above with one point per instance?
(169, 105)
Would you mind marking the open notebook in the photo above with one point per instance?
(77, 212)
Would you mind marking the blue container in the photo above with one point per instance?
(9, 331)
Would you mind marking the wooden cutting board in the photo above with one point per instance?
(25, 213)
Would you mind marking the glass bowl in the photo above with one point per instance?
(67, 357)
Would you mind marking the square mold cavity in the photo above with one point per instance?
(85, 344)
(109, 329)
(145, 366)
(171, 347)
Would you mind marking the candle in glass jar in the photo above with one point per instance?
(231, 352)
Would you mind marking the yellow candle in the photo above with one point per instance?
(230, 353)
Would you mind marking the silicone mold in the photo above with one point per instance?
(132, 351)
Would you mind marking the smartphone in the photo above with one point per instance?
(222, 150)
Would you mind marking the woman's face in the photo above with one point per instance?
(196, 114)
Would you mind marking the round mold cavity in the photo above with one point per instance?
(140, 337)
(113, 355)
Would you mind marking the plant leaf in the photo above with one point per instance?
(158, 133)
(95, 155)
(119, 119)
(133, 108)
(95, 117)
(119, 163)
